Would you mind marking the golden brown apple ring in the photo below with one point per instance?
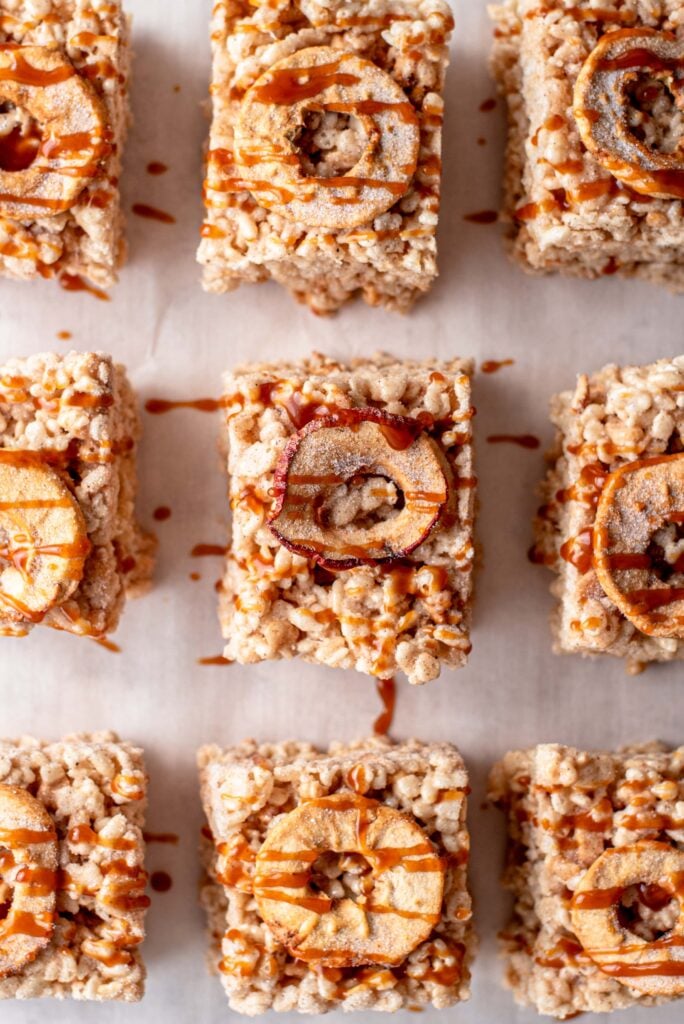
(71, 120)
(601, 103)
(43, 538)
(272, 115)
(653, 968)
(637, 500)
(331, 451)
(28, 875)
(381, 926)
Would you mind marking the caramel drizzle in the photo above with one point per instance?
(24, 73)
(285, 85)
(15, 838)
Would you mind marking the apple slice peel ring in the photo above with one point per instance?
(43, 538)
(333, 451)
(28, 878)
(273, 114)
(639, 509)
(399, 894)
(601, 108)
(652, 968)
(71, 118)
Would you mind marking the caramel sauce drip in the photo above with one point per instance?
(161, 881)
(156, 167)
(153, 213)
(488, 105)
(157, 406)
(162, 513)
(482, 217)
(522, 440)
(387, 691)
(208, 550)
(214, 659)
(171, 838)
(494, 365)
(75, 283)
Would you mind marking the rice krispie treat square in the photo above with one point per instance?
(337, 879)
(324, 158)
(594, 175)
(64, 68)
(353, 496)
(72, 877)
(71, 550)
(595, 864)
(611, 523)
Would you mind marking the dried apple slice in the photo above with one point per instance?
(653, 968)
(43, 538)
(638, 551)
(397, 888)
(28, 878)
(72, 122)
(601, 107)
(321, 465)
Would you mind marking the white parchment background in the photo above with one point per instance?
(176, 342)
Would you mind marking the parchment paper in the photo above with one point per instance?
(176, 341)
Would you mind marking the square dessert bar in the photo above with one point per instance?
(595, 864)
(611, 523)
(64, 70)
(594, 180)
(72, 878)
(353, 497)
(337, 879)
(71, 550)
(324, 158)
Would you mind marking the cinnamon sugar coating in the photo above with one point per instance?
(248, 790)
(565, 808)
(390, 259)
(87, 238)
(615, 418)
(565, 211)
(76, 416)
(93, 786)
(409, 614)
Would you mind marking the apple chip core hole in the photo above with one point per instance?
(362, 501)
(329, 143)
(654, 115)
(20, 137)
(648, 911)
(341, 876)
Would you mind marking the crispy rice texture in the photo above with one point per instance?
(88, 238)
(611, 418)
(392, 259)
(98, 782)
(565, 211)
(246, 789)
(548, 793)
(93, 446)
(413, 618)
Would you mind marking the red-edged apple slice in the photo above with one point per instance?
(327, 457)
